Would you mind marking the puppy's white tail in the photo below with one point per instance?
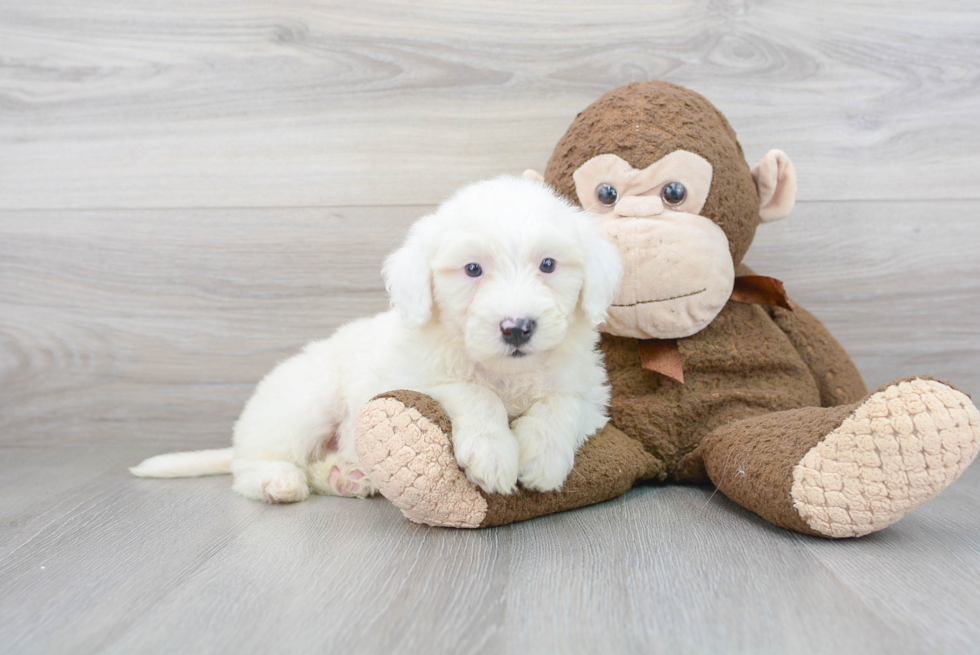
(185, 465)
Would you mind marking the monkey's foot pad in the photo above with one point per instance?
(410, 459)
(899, 448)
(404, 444)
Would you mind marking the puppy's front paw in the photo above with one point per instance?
(544, 461)
(489, 458)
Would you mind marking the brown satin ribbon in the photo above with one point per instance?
(662, 355)
(760, 290)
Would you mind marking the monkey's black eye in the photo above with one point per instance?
(607, 194)
(474, 270)
(674, 193)
(547, 265)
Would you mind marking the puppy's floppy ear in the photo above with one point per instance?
(603, 269)
(408, 278)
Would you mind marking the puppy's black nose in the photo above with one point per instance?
(517, 331)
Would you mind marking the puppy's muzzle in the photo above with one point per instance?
(516, 331)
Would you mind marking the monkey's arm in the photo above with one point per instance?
(835, 373)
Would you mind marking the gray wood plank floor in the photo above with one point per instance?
(94, 561)
(190, 190)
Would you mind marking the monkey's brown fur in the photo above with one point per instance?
(644, 121)
(763, 386)
(746, 362)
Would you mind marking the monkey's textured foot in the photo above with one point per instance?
(404, 444)
(851, 470)
(902, 446)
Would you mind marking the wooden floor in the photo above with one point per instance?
(192, 189)
(94, 561)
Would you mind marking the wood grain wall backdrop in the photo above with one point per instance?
(191, 190)
(187, 103)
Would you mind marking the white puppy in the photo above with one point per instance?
(496, 299)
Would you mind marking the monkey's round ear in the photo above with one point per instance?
(532, 174)
(775, 177)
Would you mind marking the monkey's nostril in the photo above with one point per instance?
(516, 331)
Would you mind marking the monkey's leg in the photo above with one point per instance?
(404, 444)
(850, 470)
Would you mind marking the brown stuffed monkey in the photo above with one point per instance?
(716, 376)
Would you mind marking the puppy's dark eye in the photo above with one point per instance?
(674, 193)
(474, 270)
(607, 194)
(547, 265)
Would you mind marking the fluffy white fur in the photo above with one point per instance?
(517, 416)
